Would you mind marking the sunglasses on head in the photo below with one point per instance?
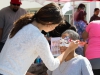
(16, 4)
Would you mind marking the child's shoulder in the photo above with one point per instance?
(83, 59)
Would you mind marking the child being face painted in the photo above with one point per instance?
(66, 38)
(73, 62)
(64, 42)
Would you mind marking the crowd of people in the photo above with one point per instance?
(24, 37)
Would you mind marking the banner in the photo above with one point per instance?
(55, 49)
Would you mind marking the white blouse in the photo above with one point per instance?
(20, 52)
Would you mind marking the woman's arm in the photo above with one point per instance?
(43, 50)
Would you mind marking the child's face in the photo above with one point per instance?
(64, 42)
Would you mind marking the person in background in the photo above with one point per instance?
(95, 15)
(81, 7)
(8, 16)
(92, 52)
(74, 64)
(26, 42)
(81, 23)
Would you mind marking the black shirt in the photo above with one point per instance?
(59, 30)
(94, 17)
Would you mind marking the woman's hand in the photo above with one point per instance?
(73, 44)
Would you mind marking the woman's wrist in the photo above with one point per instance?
(69, 49)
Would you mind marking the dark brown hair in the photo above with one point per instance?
(81, 15)
(82, 6)
(96, 9)
(49, 13)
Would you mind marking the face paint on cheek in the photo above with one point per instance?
(65, 42)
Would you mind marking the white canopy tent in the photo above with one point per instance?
(30, 3)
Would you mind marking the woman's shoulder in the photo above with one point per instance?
(81, 58)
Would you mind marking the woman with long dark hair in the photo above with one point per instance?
(26, 42)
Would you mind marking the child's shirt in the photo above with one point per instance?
(78, 65)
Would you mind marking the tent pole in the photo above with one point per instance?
(73, 11)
